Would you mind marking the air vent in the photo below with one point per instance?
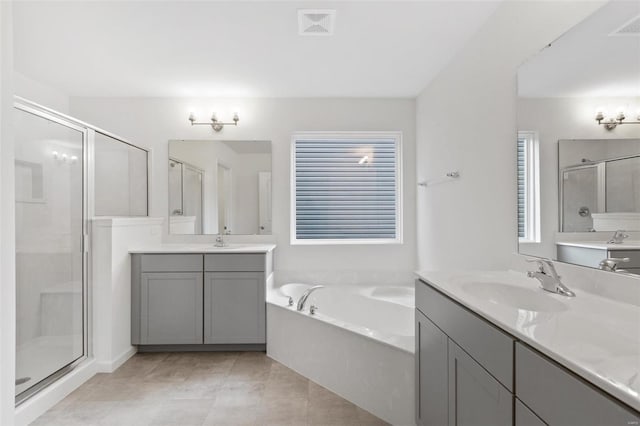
(314, 22)
(630, 28)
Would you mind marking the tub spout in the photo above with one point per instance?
(305, 296)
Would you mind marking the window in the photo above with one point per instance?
(346, 188)
(528, 188)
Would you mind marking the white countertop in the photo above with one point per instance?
(204, 248)
(627, 245)
(595, 337)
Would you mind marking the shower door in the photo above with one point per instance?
(581, 195)
(50, 254)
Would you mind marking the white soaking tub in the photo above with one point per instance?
(359, 343)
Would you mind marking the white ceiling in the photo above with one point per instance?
(587, 61)
(239, 49)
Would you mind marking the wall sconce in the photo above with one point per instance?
(611, 123)
(215, 124)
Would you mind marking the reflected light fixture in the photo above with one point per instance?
(364, 159)
(611, 123)
(215, 124)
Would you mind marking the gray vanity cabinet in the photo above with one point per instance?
(461, 363)
(199, 299)
(487, 377)
(475, 397)
(234, 307)
(432, 375)
(560, 398)
(526, 417)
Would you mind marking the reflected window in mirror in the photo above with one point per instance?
(528, 187)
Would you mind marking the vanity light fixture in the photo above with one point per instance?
(611, 123)
(215, 124)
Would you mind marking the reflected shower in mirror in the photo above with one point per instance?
(578, 143)
(599, 185)
(219, 187)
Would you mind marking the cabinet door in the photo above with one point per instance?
(171, 308)
(234, 308)
(526, 417)
(431, 373)
(475, 397)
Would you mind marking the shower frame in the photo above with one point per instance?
(601, 167)
(88, 212)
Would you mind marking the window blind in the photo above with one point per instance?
(346, 188)
(522, 187)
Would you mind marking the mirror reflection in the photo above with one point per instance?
(578, 145)
(219, 187)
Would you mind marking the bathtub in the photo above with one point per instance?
(359, 343)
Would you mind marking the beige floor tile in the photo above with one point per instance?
(217, 388)
(188, 412)
(231, 416)
(240, 394)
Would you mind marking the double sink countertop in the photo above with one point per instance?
(595, 337)
(203, 248)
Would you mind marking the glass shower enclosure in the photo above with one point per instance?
(51, 260)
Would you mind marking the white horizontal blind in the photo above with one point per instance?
(346, 189)
(522, 187)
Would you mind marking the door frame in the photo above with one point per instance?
(87, 145)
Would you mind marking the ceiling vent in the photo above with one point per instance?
(630, 28)
(316, 22)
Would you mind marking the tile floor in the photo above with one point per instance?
(204, 388)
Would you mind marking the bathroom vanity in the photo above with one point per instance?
(200, 297)
(586, 253)
(488, 352)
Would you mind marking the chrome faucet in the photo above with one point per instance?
(618, 237)
(305, 296)
(220, 241)
(611, 264)
(549, 278)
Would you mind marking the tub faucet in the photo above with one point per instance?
(549, 278)
(305, 296)
(618, 237)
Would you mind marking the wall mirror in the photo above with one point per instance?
(219, 187)
(578, 143)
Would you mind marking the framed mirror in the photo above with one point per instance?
(220, 187)
(578, 144)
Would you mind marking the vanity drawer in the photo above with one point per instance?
(252, 262)
(171, 263)
(489, 346)
(633, 255)
(558, 397)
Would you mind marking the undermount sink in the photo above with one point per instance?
(534, 299)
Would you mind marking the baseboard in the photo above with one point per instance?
(110, 367)
(38, 404)
(203, 348)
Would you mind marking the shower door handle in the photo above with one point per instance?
(85, 243)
